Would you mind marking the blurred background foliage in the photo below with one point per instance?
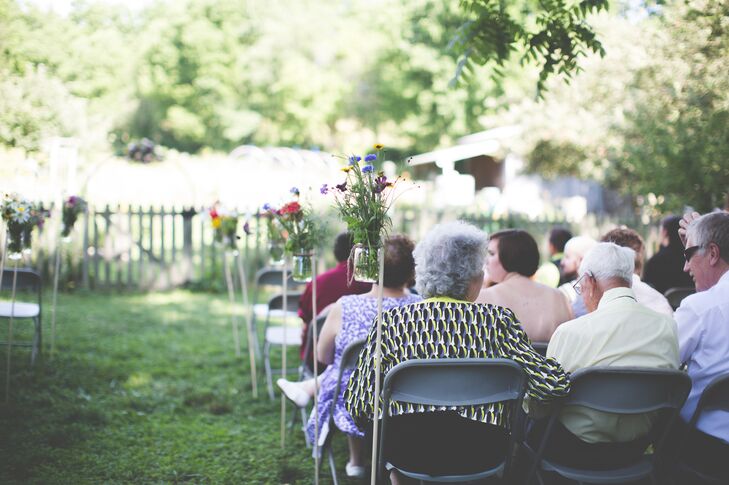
(644, 110)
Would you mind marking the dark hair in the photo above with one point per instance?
(558, 237)
(518, 251)
(399, 262)
(627, 238)
(671, 226)
(343, 246)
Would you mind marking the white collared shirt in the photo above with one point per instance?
(703, 334)
(650, 297)
(621, 332)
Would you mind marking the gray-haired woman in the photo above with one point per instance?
(448, 273)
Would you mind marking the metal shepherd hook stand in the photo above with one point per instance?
(249, 323)
(378, 358)
(284, 276)
(315, 333)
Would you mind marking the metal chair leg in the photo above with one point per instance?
(332, 465)
(35, 349)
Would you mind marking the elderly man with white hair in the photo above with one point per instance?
(703, 330)
(617, 331)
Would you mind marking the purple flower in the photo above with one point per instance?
(342, 187)
(354, 159)
(371, 157)
(295, 191)
(247, 228)
(267, 206)
(368, 169)
(324, 189)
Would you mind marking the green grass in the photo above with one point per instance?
(143, 389)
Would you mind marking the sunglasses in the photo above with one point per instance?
(578, 284)
(688, 253)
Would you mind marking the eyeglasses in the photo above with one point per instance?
(578, 284)
(688, 253)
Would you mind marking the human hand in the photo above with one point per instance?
(684, 223)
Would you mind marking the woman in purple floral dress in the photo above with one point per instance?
(350, 319)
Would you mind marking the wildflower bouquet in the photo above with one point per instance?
(363, 200)
(225, 225)
(72, 208)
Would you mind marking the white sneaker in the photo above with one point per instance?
(294, 392)
(354, 471)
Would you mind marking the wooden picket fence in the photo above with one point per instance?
(146, 248)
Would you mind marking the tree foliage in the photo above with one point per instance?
(552, 34)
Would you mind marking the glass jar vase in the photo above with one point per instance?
(302, 267)
(366, 264)
(276, 253)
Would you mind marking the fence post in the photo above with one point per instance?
(85, 249)
(107, 264)
(187, 215)
(130, 253)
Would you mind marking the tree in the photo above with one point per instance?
(553, 34)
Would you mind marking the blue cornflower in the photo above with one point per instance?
(371, 157)
(324, 189)
(354, 159)
(368, 169)
(294, 190)
(267, 206)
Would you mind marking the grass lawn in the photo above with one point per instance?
(143, 389)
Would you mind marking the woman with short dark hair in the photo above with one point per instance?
(513, 258)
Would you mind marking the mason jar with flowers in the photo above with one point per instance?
(225, 226)
(73, 207)
(363, 200)
(16, 212)
(302, 231)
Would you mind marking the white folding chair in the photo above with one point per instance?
(275, 335)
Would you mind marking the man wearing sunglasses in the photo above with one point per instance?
(703, 331)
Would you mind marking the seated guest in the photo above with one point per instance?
(512, 259)
(350, 319)
(574, 251)
(645, 295)
(448, 272)
(664, 269)
(703, 332)
(618, 331)
(551, 273)
(330, 285)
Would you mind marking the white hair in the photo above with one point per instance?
(712, 228)
(448, 259)
(608, 260)
(579, 245)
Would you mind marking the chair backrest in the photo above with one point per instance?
(452, 382)
(676, 295)
(308, 356)
(714, 398)
(628, 390)
(349, 361)
(274, 277)
(27, 280)
(292, 302)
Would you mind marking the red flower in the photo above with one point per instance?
(290, 208)
(213, 213)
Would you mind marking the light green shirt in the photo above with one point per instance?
(621, 332)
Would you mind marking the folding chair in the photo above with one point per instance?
(306, 370)
(28, 283)
(714, 398)
(676, 295)
(274, 334)
(269, 278)
(620, 390)
(453, 382)
(349, 361)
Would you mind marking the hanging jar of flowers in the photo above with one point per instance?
(363, 200)
(275, 236)
(225, 226)
(72, 208)
(18, 215)
(301, 231)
